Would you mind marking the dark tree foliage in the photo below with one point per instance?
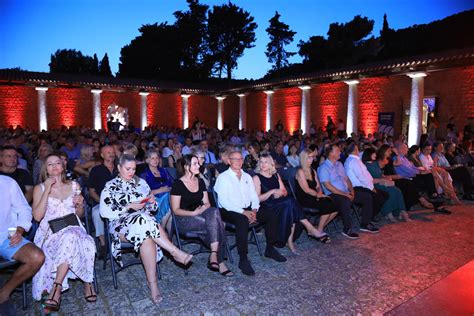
(104, 68)
(192, 28)
(71, 61)
(280, 36)
(95, 65)
(153, 54)
(230, 31)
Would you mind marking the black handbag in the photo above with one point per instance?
(194, 206)
(60, 223)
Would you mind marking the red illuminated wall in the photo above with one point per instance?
(73, 106)
(329, 99)
(15, 103)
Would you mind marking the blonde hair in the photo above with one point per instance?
(44, 172)
(304, 160)
(272, 164)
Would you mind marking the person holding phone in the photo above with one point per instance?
(130, 206)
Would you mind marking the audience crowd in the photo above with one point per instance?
(142, 186)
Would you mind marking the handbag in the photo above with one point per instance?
(60, 223)
(194, 206)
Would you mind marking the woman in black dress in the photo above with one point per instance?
(190, 204)
(309, 193)
(272, 194)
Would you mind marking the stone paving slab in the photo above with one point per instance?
(371, 275)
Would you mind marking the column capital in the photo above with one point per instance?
(305, 87)
(351, 82)
(241, 95)
(220, 97)
(96, 91)
(41, 88)
(143, 93)
(269, 92)
(417, 74)
(184, 95)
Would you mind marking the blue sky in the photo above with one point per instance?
(31, 30)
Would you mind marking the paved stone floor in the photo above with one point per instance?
(371, 275)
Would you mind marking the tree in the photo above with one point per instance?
(230, 31)
(155, 53)
(104, 68)
(280, 35)
(192, 27)
(71, 61)
(95, 65)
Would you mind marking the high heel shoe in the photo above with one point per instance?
(181, 256)
(92, 298)
(54, 306)
(156, 299)
(213, 265)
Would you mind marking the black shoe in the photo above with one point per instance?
(272, 253)
(246, 268)
(369, 229)
(442, 210)
(349, 234)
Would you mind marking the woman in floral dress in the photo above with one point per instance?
(129, 205)
(69, 252)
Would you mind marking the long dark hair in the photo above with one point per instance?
(186, 160)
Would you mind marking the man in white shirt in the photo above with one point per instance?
(15, 219)
(362, 180)
(188, 146)
(210, 158)
(239, 205)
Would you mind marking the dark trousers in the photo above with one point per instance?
(425, 183)
(265, 216)
(462, 175)
(343, 204)
(378, 199)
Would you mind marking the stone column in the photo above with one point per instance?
(269, 113)
(96, 109)
(220, 112)
(242, 110)
(184, 102)
(305, 122)
(42, 115)
(143, 109)
(415, 127)
(352, 122)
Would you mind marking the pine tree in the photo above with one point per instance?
(95, 65)
(104, 69)
(280, 36)
(386, 31)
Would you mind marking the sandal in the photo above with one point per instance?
(157, 299)
(227, 273)
(181, 257)
(425, 203)
(324, 238)
(90, 298)
(54, 306)
(213, 265)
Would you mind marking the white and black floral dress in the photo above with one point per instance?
(136, 226)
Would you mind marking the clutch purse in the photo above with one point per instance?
(194, 206)
(60, 223)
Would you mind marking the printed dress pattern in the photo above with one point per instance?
(71, 245)
(136, 226)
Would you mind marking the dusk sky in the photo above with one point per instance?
(31, 30)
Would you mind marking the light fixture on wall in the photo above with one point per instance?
(407, 112)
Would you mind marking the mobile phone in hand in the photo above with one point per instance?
(145, 200)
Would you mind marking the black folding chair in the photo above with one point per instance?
(230, 229)
(126, 248)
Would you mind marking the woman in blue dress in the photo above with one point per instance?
(160, 183)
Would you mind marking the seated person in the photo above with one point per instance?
(240, 205)
(293, 158)
(309, 192)
(279, 156)
(339, 188)
(273, 196)
(128, 203)
(394, 207)
(175, 155)
(190, 204)
(361, 179)
(15, 219)
(223, 163)
(9, 167)
(250, 161)
(69, 252)
(443, 180)
(459, 173)
(160, 183)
